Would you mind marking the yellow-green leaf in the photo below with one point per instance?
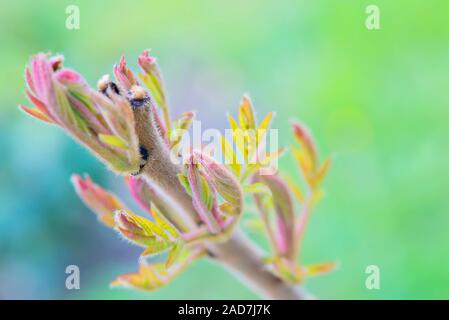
(174, 254)
(246, 114)
(112, 140)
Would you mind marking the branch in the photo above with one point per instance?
(238, 253)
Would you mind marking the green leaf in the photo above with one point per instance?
(174, 254)
(163, 224)
(112, 140)
(155, 247)
(185, 183)
(206, 193)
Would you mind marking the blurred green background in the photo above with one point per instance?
(377, 100)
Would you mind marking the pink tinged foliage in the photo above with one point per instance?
(286, 228)
(104, 121)
(201, 197)
(223, 181)
(304, 138)
(147, 62)
(216, 194)
(134, 228)
(104, 125)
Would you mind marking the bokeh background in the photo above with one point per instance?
(377, 100)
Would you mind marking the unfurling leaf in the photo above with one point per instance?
(103, 203)
(249, 141)
(202, 197)
(281, 228)
(152, 78)
(136, 228)
(63, 97)
(306, 142)
(246, 114)
(124, 76)
(157, 237)
(223, 181)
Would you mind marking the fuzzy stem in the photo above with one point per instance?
(237, 254)
(244, 259)
(161, 173)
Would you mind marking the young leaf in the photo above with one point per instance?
(246, 114)
(112, 140)
(320, 268)
(174, 254)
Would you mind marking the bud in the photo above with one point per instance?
(216, 194)
(137, 96)
(248, 136)
(224, 182)
(148, 63)
(152, 79)
(69, 77)
(103, 82)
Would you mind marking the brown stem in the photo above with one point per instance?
(244, 258)
(237, 254)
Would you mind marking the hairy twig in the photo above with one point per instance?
(238, 253)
